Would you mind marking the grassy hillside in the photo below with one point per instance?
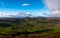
(29, 24)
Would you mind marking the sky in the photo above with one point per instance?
(48, 8)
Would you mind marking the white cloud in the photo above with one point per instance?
(54, 14)
(8, 14)
(4, 15)
(25, 4)
(14, 14)
(54, 6)
(27, 14)
(17, 13)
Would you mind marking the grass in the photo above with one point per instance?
(5, 30)
(36, 27)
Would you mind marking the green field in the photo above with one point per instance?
(27, 25)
